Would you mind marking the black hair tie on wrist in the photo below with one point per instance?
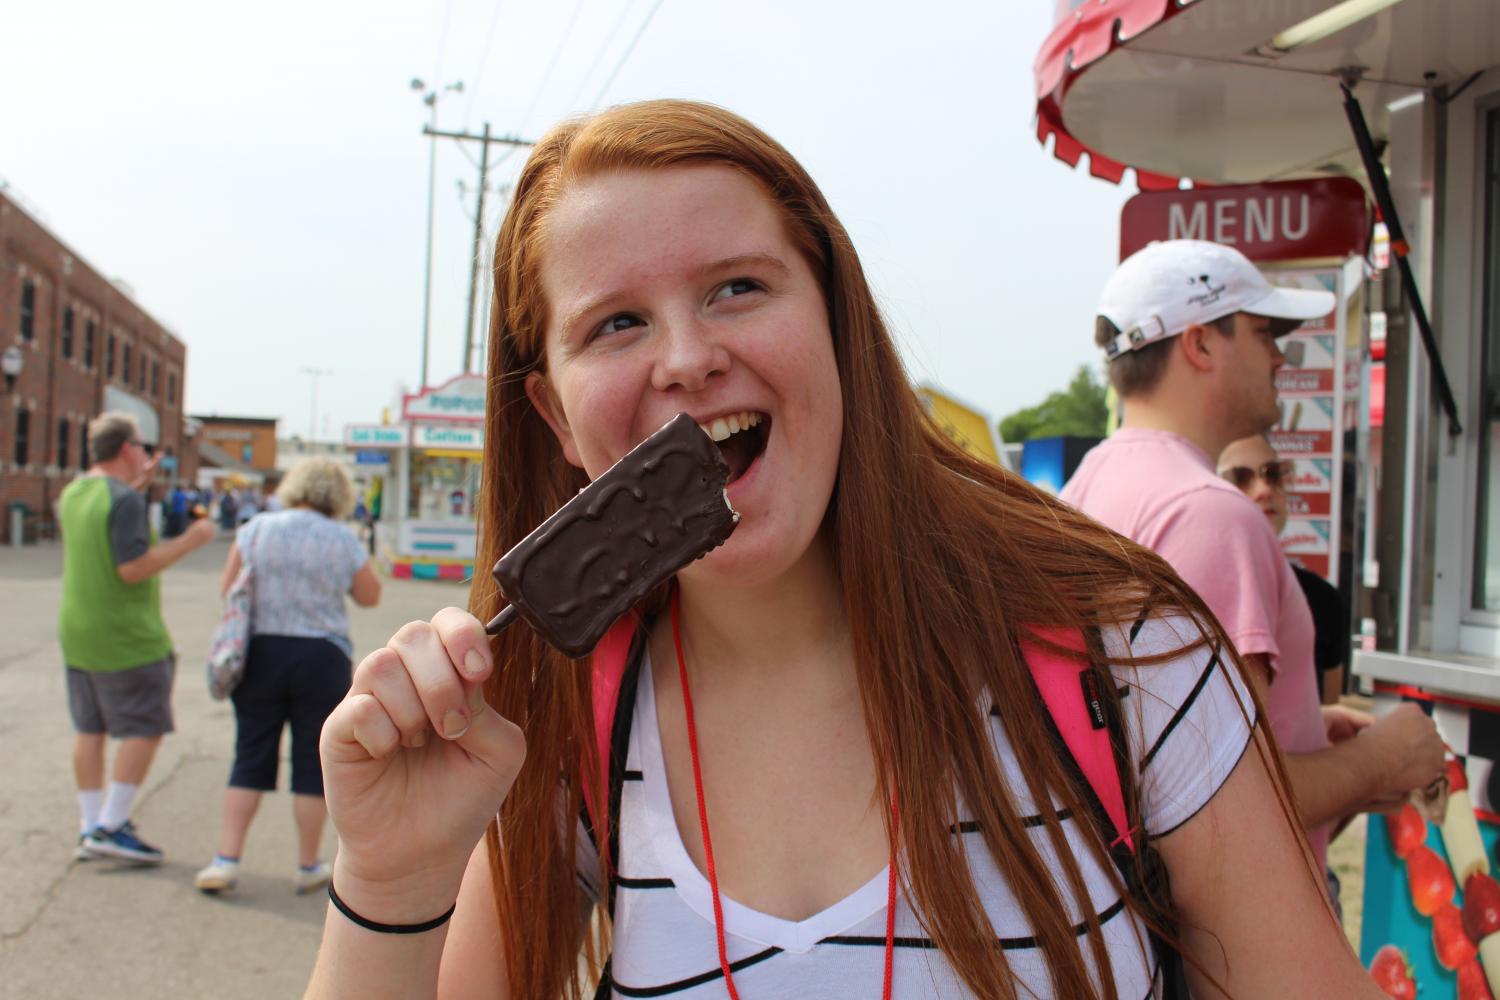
(379, 928)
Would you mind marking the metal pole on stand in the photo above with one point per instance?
(1381, 188)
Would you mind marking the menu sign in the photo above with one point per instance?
(1278, 220)
(1311, 387)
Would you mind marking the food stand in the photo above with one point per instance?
(1229, 93)
(426, 524)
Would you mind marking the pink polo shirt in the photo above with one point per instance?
(1160, 490)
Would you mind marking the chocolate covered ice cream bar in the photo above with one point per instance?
(653, 512)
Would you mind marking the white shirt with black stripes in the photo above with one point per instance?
(1186, 721)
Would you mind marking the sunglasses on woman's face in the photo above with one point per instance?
(1274, 474)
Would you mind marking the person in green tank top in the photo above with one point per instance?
(115, 645)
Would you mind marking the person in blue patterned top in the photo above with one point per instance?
(303, 560)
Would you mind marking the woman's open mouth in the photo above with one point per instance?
(741, 438)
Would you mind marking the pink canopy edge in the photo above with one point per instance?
(1084, 36)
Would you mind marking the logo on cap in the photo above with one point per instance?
(1210, 295)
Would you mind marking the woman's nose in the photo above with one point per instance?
(688, 357)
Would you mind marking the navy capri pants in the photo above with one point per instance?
(288, 680)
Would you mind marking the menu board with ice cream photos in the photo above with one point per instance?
(1311, 388)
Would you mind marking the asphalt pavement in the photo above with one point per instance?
(105, 929)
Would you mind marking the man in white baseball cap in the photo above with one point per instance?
(1189, 330)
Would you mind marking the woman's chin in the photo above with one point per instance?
(755, 556)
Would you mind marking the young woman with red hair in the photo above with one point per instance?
(835, 775)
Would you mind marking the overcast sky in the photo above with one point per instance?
(257, 172)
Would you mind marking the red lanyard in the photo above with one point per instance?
(708, 848)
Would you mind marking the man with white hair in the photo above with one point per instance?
(1190, 330)
(118, 654)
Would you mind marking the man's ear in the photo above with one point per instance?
(540, 393)
(1197, 347)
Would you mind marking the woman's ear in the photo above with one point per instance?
(540, 394)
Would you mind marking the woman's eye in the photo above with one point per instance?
(615, 324)
(739, 286)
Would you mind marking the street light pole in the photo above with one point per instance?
(430, 98)
(316, 373)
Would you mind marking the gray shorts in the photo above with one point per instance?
(123, 703)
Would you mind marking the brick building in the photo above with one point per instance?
(85, 347)
(238, 444)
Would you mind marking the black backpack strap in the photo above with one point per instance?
(1143, 871)
(619, 753)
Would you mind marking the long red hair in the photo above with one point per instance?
(941, 559)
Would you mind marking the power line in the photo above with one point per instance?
(626, 54)
(484, 58)
(556, 54)
(599, 56)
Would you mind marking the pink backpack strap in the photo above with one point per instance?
(607, 670)
(1070, 690)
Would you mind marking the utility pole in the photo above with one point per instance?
(484, 166)
(485, 140)
(312, 426)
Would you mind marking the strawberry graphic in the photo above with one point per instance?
(1431, 884)
(1458, 781)
(1481, 907)
(1392, 973)
(1406, 829)
(1471, 984)
(1452, 945)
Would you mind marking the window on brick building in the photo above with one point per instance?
(28, 308)
(125, 364)
(67, 332)
(62, 443)
(88, 344)
(23, 436)
(83, 444)
(109, 357)
(143, 372)
(172, 388)
(155, 379)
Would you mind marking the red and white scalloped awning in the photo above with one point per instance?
(1186, 88)
(1084, 33)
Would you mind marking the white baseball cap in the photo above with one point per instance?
(1162, 290)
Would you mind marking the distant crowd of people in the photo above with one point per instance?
(229, 507)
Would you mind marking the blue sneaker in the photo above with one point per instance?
(124, 844)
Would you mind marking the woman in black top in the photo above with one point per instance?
(1252, 465)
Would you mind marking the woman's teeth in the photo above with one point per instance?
(721, 428)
